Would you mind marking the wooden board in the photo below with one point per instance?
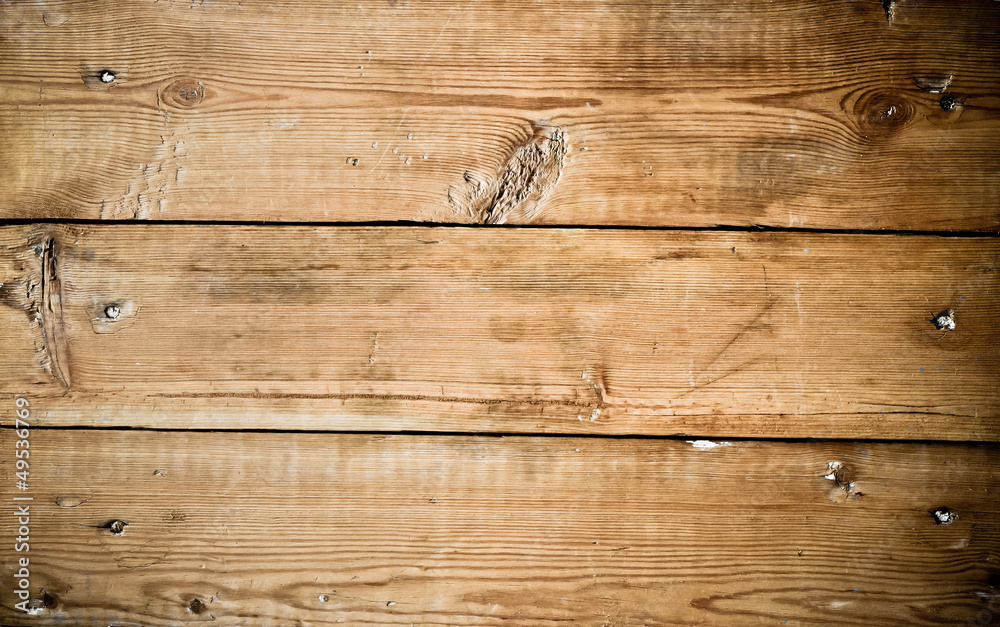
(509, 330)
(853, 114)
(304, 529)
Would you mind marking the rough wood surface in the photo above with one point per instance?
(831, 114)
(305, 529)
(516, 330)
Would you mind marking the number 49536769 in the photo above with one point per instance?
(21, 444)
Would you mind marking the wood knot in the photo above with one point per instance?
(184, 93)
(845, 484)
(519, 188)
(49, 600)
(197, 606)
(883, 113)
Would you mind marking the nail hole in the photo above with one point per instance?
(949, 103)
(117, 527)
(944, 516)
(35, 607)
(107, 76)
(944, 321)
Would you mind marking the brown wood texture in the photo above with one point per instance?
(853, 114)
(511, 330)
(318, 529)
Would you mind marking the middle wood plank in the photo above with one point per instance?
(516, 330)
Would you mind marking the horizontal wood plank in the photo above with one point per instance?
(829, 114)
(510, 330)
(310, 529)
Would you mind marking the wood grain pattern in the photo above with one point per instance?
(516, 330)
(812, 114)
(303, 529)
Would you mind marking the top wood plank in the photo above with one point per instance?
(835, 114)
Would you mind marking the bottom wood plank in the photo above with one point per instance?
(167, 528)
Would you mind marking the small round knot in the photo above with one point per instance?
(112, 312)
(184, 93)
(883, 112)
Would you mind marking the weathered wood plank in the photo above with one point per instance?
(818, 114)
(308, 529)
(516, 330)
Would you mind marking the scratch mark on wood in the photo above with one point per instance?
(716, 379)
(748, 326)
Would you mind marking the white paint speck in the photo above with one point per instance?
(707, 445)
